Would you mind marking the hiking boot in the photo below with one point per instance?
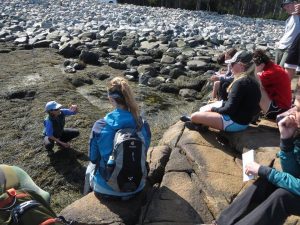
(196, 127)
(185, 118)
(50, 153)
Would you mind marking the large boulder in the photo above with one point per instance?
(91, 210)
(194, 177)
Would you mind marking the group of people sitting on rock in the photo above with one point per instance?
(257, 85)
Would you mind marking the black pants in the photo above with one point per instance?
(67, 135)
(293, 57)
(222, 92)
(261, 204)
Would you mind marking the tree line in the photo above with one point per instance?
(252, 8)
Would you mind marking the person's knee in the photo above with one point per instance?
(290, 72)
(282, 195)
(49, 146)
(193, 116)
(217, 84)
(48, 143)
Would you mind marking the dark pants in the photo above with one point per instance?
(261, 204)
(222, 93)
(293, 57)
(67, 135)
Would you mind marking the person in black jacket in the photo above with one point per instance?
(242, 105)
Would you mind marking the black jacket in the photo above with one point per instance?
(243, 101)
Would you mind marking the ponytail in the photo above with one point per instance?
(123, 95)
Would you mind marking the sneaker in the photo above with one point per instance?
(196, 127)
(50, 153)
(185, 118)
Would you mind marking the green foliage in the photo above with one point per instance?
(153, 2)
(259, 8)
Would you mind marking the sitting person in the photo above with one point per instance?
(242, 105)
(275, 195)
(15, 177)
(125, 115)
(223, 80)
(54, 123)
(22, 201)
(275, 86)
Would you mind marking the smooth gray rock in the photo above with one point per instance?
(167, 59)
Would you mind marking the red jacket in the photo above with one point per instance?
(277, 84)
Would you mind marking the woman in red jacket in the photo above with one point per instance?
(275, 85)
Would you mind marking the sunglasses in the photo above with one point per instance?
(54, 110)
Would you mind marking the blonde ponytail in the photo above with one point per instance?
(119, 84)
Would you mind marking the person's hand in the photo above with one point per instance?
(252, 168)
(74, 108)
(287, 126)
(214, 78)
(65, 145)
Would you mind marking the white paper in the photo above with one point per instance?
(207, 107)
(247, 157)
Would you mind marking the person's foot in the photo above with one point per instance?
(185, 118)
(196, 127)
(50, 153)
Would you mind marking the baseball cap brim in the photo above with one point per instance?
(234, 58)
(52, 106)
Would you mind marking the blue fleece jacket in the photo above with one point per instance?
(290, 163)
(101, 145)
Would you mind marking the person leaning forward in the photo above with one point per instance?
(54, 123)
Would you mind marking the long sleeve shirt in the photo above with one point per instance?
(290, 163)
(243, 101)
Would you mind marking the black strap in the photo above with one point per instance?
(2, 179)
(67, 222)
(20, 209)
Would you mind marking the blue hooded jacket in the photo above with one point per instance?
(101, 145)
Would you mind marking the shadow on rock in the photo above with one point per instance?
(152, 206)
(169, 206)
(105, 210)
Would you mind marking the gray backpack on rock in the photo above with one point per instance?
(129, 154)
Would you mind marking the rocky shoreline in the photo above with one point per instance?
(152, 45)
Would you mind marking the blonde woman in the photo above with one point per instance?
(124, 115)
(242, 105)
